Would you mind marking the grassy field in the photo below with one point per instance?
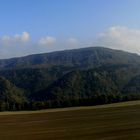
(120, 121)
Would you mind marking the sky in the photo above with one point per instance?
(39, 26)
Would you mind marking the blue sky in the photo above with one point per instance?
(36, 26)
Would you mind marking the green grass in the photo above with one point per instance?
(120, 121)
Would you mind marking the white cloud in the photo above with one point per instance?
(18, 38)
(119, 37)
(24, 37)
(48, 40)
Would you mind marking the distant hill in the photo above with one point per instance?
(85, 57)
(79, 74)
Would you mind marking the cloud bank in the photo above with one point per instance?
(119, 37)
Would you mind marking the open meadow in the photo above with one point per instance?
(120, 121)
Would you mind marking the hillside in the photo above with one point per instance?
(93, 86)
(94, 75)
(85, 57)
(11, 97)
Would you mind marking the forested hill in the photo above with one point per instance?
(86, 76)
(11, 97)
(85, 57)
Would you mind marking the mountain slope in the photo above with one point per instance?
(85, 57)
(79, 84)
(80, 74)
(133, 86)
(11, 97)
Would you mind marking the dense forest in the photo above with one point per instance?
(87, 76)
